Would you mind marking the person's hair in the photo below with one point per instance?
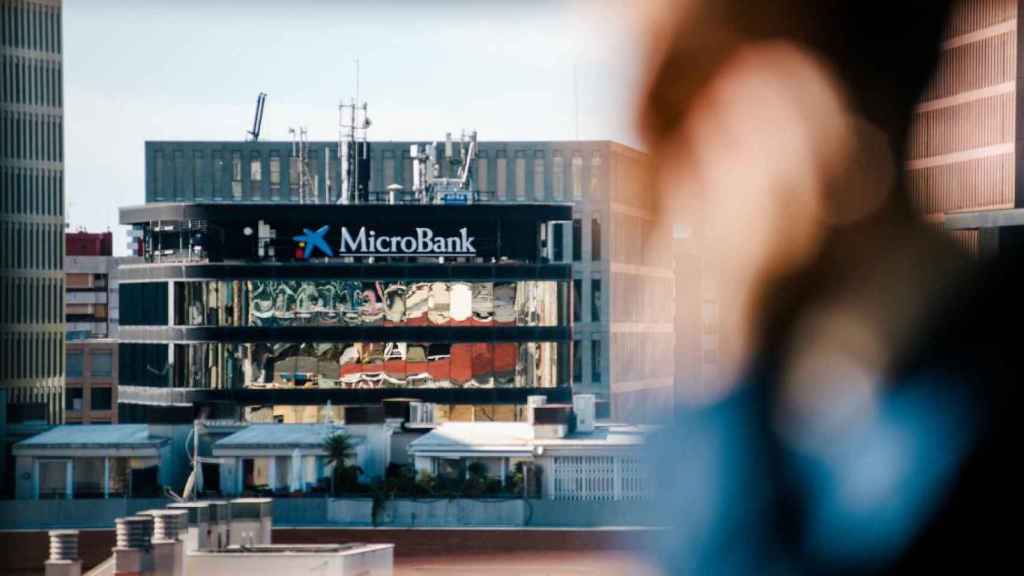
(883, 52)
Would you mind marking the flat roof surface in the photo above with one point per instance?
(228, 212)
(498, 436)
(282, 436)
(95, 436)
(984, 219)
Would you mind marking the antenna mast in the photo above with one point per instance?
(353, 124)
(257, 121)
(307, 192)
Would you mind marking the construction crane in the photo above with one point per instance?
(257, 121)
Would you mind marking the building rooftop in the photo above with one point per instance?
(281, 436)
(94, 436)
(519, 437)
(477, 436)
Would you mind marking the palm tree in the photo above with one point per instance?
(340, 450)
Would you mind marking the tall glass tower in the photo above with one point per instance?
(31, 210)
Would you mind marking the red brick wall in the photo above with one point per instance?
(89, 243)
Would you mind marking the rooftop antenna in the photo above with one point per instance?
(353, 124)
(576, 99)
(307, 192)
(257, 121)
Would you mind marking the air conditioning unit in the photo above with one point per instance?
(421, 413)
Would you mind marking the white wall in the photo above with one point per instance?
(375, 450)
(24, 483)
(230, 470)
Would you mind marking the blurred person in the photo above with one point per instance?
(860, 426)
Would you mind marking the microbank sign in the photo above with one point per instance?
(363, 241)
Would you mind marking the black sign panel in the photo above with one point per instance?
(310, 232)
(316, 241)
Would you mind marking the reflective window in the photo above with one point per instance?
(275, 176)
(142, 476)
(118, 477)
(101, 399)
(595, 300)
(352, 303)
(520, 175)
(481, 174)
(577, 300)
(538, 174)
(256, 474)
(159, 179)
(89, 477)
(102, 363)
(354, 365)
(53, 479)
(218, 175)
(255, 175)
(236, 175)
(577, 240)
(501, 175)
(73, 399)
(294, 177)
(558, 176)
(577, 176)
(197, 174)
(577, 361)
(75, 364)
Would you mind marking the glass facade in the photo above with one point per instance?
(53, 478)
(350, 365)
(271, 303)
(290, 318)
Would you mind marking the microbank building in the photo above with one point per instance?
(260, 289)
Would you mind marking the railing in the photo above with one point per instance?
(412, 197)
(424, 512)
(157, 396)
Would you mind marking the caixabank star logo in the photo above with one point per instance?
(310, 241)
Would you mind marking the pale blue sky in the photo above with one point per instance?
(137, 71)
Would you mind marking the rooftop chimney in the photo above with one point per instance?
(251, 521)
(63, 559)
(583, 405)
(551, 420)
(132, 552)
(531, 403)
(168, 550)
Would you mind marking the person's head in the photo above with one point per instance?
(773, 125)
(881, 54)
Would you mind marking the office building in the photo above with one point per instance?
(964, 152)
(31, 210)
(621, 278)
(236, 309)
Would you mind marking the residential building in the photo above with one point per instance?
(290, 458)
(90, 300)
(32, 210)
(568, 455)
(99, 461)
(90, 393)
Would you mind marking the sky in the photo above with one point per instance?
(190, 70)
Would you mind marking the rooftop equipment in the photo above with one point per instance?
(257, 121)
